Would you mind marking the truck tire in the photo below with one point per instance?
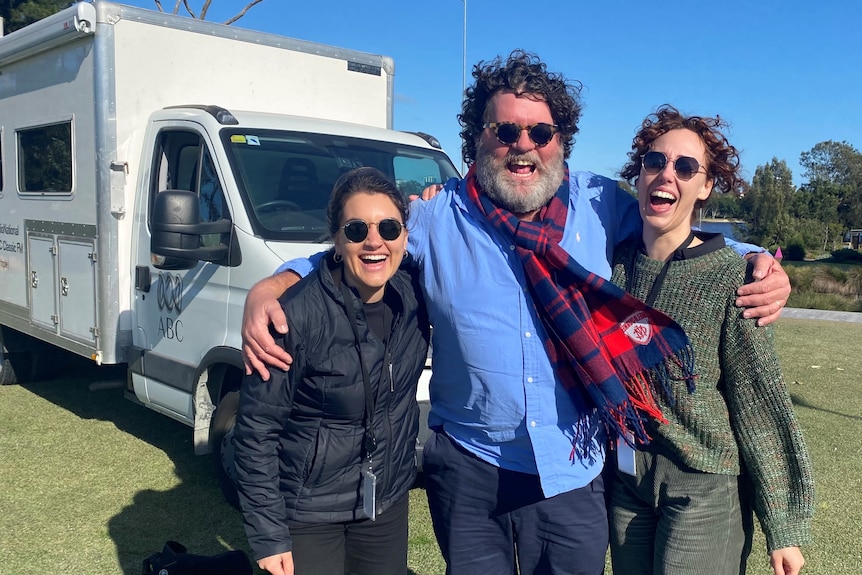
(24, 359)
(221, 439)
(23, 367)
(7, 371)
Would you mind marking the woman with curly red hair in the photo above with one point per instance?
(679, 505)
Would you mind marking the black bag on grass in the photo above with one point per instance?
(174, 560)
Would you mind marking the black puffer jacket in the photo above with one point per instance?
(299, 436)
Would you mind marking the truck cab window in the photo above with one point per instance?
(185, 163)
(286, 177)
(414, 172)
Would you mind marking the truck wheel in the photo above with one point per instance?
(7, 370)
(26, 367)
(221, 439)
(26, 360)
(14, 357)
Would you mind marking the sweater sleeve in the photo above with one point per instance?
(264, 407)
(768, 433)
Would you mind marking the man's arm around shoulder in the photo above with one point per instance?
(262, 309)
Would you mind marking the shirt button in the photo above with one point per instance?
(532, 424)
(528, 334)
(512, 247)
(529, 380)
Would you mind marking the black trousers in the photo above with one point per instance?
(361, 547)
(493, 521)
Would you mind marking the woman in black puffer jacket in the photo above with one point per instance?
(324, 453)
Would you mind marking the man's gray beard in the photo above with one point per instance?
(492, 176)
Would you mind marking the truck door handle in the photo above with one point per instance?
(142, 278)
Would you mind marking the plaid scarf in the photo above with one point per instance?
(612, 344)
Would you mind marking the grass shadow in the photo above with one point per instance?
(798, 400)
(192, 512)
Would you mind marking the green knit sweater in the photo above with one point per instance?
(741, 411)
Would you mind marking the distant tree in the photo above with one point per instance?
(816, 204)
(837, 162)
(19, 13)
(837, 167)
(766, 204)
(728, 206)
(206, 6)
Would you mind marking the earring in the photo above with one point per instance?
(336, 257)
(406, 255)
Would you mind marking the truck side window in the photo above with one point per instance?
(185, 163)
(45, 159)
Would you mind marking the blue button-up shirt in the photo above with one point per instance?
(493, 389)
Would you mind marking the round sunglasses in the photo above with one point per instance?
(357, 230)
(685, 167)
(508, 132)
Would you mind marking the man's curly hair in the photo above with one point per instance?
(722, 159)
(521, 73)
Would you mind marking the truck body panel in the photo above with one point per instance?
(108, 114)
(84, 67)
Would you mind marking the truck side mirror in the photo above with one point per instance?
(177, 230)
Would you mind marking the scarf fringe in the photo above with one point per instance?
(627, 420)
(615, 421)
(641, 387)
(586, 432)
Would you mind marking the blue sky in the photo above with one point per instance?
(785, 74)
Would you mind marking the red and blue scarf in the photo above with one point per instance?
(603, 343)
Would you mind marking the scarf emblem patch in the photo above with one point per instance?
(637, 328)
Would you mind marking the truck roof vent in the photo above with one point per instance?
(432, 141)
(222, 115)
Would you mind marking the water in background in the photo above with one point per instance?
(725, 228)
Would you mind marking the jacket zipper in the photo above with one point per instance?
(388, 356)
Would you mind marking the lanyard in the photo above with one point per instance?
(370, 441)
(659, 280)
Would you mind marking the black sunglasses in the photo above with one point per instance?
(357, 230)
(508, 132)
(685, 167)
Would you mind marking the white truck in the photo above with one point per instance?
(153, 168)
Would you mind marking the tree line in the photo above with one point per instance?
(815, 216)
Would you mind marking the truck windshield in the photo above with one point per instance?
(285, 178)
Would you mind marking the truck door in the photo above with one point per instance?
(180, 314)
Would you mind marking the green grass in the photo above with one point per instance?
(822, 365)
(92, 484)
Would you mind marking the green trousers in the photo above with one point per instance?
(673, 520)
